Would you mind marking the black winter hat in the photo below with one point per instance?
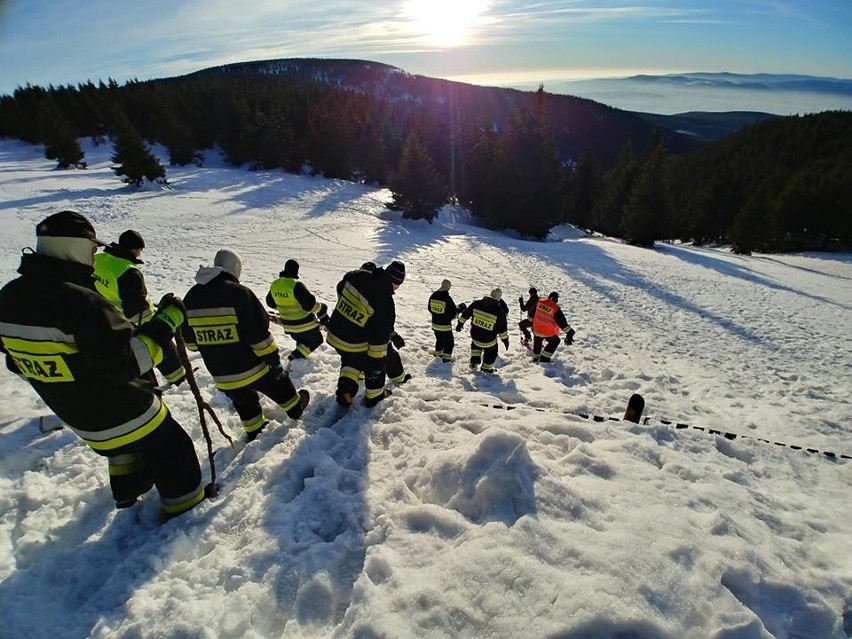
(396, 271)
(67, 224)
(291, 268)
(554, 296)
(368, 266)
(131, 240)
(533, 291)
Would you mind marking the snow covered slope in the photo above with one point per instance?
(439, 513)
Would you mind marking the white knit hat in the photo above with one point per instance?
(229, 261)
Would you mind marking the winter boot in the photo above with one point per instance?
(250, 437)
(298, 409)
(369, 403)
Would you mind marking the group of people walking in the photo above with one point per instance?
(79, 326)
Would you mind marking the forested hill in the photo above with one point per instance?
(577, 124)
(516, 160)
(782, 184)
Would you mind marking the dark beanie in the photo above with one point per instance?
(396, 271)
(131, 240)
(291, 268)
(554, 296)
(533, 292)
(67, 224)
(368, 266)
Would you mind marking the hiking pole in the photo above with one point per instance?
(202, 406)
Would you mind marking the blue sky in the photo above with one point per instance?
(489, 42)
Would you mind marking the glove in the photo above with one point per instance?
(170, 311)
(459, 327)
(396, 340)
(569, 337)
(506, 343)
(322, 315)
(461, 308)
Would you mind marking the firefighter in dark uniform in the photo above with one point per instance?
(547, 322)
(301, 314)
(444, 313)
(85, 361)
(527, 307)
(118, 278)
(394, 367)
(227, 324)
(488, 323)
(360, 328)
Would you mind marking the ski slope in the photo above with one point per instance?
(439, 513)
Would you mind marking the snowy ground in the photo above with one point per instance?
(439, 514)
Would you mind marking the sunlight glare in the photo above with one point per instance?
(445, 23)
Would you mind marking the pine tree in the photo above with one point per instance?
(583, 190)
(647, 211)
(609, 207)
(531, 168)
(746, 226)
(418, 190)
(132, 156)
(60, 138)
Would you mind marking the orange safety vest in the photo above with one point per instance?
(543, 323)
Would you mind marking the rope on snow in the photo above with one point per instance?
(632, 415)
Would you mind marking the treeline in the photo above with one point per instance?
(780, 185)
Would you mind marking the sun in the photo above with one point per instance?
(445, 23)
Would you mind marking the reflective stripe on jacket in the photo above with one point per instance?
(364, 315)
(227, 324)
(295, 305)
(443, 310)
(110, 271)
(85, 362)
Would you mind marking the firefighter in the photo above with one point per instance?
(118, 278)
(488, 323)
(394, 367)
(527, 307)
(301, 314)
(227, 324)
(360, 328)
(444, 313)
(85, 361)
(547, 322)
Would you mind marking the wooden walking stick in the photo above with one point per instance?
(202, 406)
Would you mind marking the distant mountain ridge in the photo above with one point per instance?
(579, 124)
(759, 81)
(683, 130)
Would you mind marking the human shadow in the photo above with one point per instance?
(317, 515)
(87, 573)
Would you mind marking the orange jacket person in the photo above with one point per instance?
(547, 322)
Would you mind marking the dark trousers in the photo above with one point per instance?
(525, 325)
(487, 355)
(306, 343)
(354, 365)
(544, 355)
(166, 459)
(393, 365)
(444, 344)
(279, 389)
